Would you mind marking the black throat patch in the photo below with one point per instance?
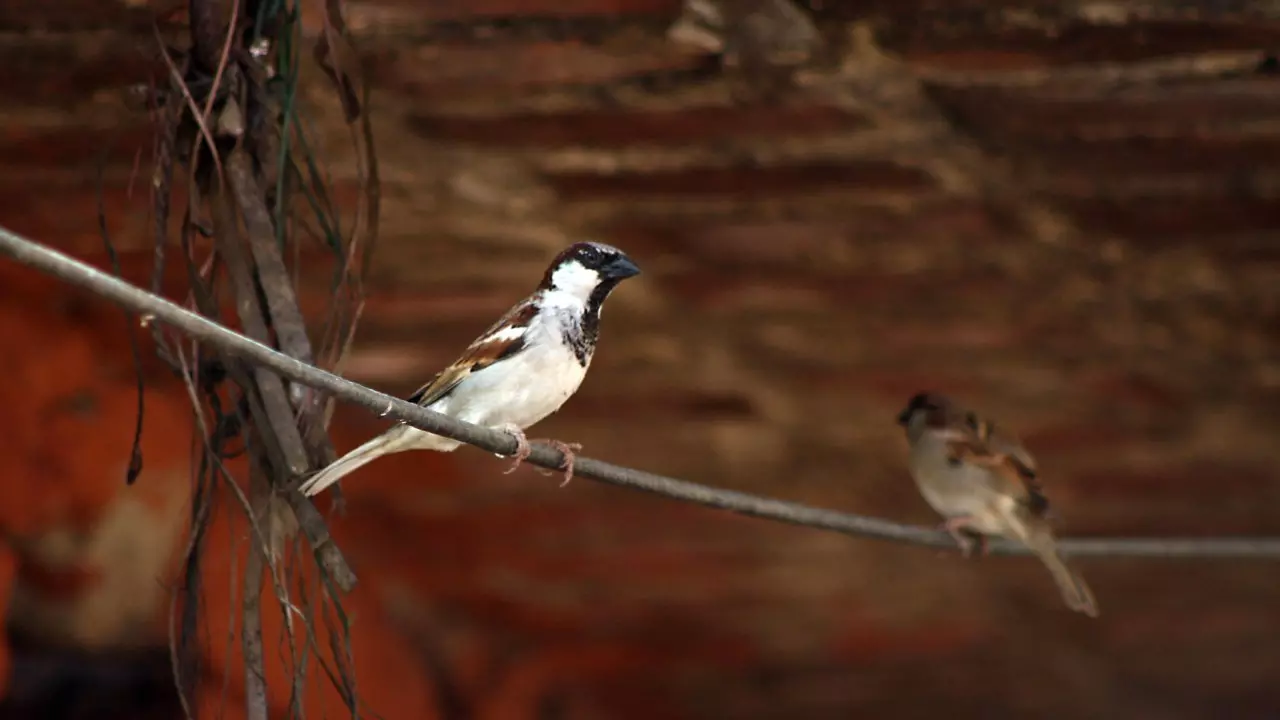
(581, 334)
(581, 338)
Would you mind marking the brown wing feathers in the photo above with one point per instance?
(980, 449)
(482, 353)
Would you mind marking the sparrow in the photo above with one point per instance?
(981, 479)
(520, 370)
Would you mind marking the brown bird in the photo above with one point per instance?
(982, 480)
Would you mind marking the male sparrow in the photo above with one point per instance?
(519, 371)
(982, 480)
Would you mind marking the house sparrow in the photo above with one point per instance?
(517, 372)
(982, 480)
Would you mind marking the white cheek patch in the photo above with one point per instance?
(575, 279)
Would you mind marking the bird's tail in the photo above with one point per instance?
(1075, 591)
(397, 439)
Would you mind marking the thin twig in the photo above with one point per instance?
(135, 453)
(279, 414)
(139, 300)
(255, 681)
(364, 234)
(272, 393)
(205, 134)
(277, 287)
(182, 647)
(166, 119)
(213, 459)
(278, 302)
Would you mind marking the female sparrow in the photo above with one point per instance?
(983, 480)
(517, 372)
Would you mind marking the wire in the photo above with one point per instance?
(152, 308)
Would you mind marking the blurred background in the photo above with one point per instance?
(1063, 213)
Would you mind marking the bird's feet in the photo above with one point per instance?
(522, 445)
(569, 450)
(523, 448)
(957, 527)
(983, 548)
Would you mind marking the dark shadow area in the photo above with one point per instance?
(56, 683)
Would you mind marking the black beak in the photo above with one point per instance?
(904, 417)
(621, 268)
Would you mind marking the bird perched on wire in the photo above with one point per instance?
(982, 480)
(517, 372)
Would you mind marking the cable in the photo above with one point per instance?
(153, 308)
